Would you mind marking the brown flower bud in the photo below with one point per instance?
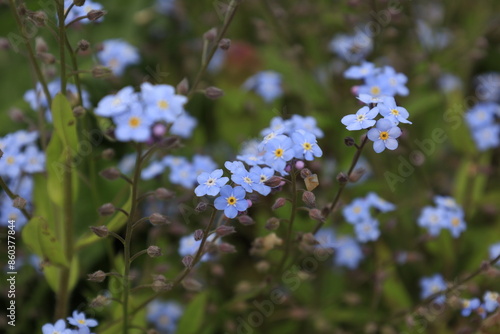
(98, 276)
(164, 194)
(183, 87)
(19, 203)
(4, 43)
(224, 230)
(279, 203)
(110, 173)
(213, 92)
(305, 173)
(95, 15)
(272, 224)
(79, 3)
(39, 18)
(225, 44)
(158, 219)
(274, 181)
(107, 209)
(17, 115)
(198, 235)
(245, 220)
(161, 285)
(83, 45)
(99, 301)
(41, 45)
(154, 251)
(224, 247)
(357, 174)
(316, 215)
(191, 284)
(187, 261)
(309, 199)
(349, 141)
(108, 154)
(342, 178)
(78, 111)
(201, 207)
(210, 35)
(100, 231)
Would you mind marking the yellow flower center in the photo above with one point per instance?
(279, 152)
(81, 321)
(375, 90)
(10, 160)
(465, 303)
(307, 146)
(394, 112)
(162, 104)
(134, 121)
(357, 209)
(231, 200)
(384, 135)
(455, 221)
(113, 63)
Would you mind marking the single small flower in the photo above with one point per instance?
(116, 104)
(490, 301)
(357, 211)
(379, 203)
(469, 305)
(231, 200)
(363, 119)
(154, 169)
(162, 104)
(306, 146)
(58, 328)
(487, 137)
(396, 81)
(431, 285)
(367, 230)
(278, 152)
(348, 253)
(360, 72)
(210, 183)
(456, 223)
(117, 55)
(78, 319)
(494, 251)
(264, 174)
(34, 160)
(392, 112)
(433, 219)
(133, 125)
(246, 179)
(384, 135)
(184, 125)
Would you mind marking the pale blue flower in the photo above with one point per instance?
(431, 285)
(389, 110)
(231, 200)
(210, 183)
(117, 55)
(117, 104)
(162, 104)
(384, 135)
(363, 119)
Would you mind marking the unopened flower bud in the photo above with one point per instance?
(191, 284)
(198, 235)
(316, 215)
(100, 231)
(17, 115)
(357, 174)
(311, 182)
(245, 220)
(154, 251)
(210, 35)
(4, 43)
(213, 92)
(349, 141)
(224, 230)
(83, 45)
(305, 173)
(94, 15)
(224, 247)
(183, 87)
(98, 276)
(110, 173)
(225, 44)
(278, 203)
(79, 3)
(108, 154)
(158, 219)
(308, 238)
(107, 209)
(19, 203)
(299, 164)
(187, 261)
(164, 194)
(78, 111)
(272, 224)
(160, 285)
(39, 17)
(342, 178)
(201, 207)
(47, 58)
(41, 45)
(309, 199)
(262, 266)
(101, 72)
(274, 181)
(99, 301)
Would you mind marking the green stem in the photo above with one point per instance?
(13, 196)
(136, 255)
(62, 50)
(128, 239)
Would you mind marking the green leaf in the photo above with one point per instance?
(64, 122)
(114, 225)
(193, 317)
(55, 170)
(52, 274)
(40, 237)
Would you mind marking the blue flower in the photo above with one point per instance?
(379, 203)
(384, 135)
(348, 253)
(431, 285)
(231, 200)
(189, 246)
(433, 219)
(162, 104)
(183, 174)
(203, 163)
(392, 112)
(184, 125)
(117, 55)
(357, 211)
(432, 38)
(456, 223)
(278, 126)
(367, 230)
(448, 82)
(375, 86)
(306, 123)
(133, 125)
(34, 160)
(22, 137)
(482, 114)
(447, 203)
(210, 184)
(59, 328)
(469, 305)
(164, 315)
(368, 99)
(8, 212)
(11, 162)
(486, 137)
(78, 319)
(233, 166)
(250, 153)
(165, 7)
(360, 72)
(363, 119)
(396, 81)
(154, 169)
(278, 152)
(264, 174)
(116, 104)
(490, 301)
(245, 179)
(267, 84)
(352, 48)
(306, 146)
(326, 238)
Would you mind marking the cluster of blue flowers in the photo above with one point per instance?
(352, 48)
(266, 84)
(78, 11)
(78, 320)
(135, 114)
(431, 285)
(490, 304)
(283, 142)
(377, 92)
(164, 315)
(485, 130)
(38, 101)
(347, 251)
(358, 214)
(117, 54)
(446, 215)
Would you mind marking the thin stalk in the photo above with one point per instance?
(136, 255)
(13, 196)
(62, 49)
